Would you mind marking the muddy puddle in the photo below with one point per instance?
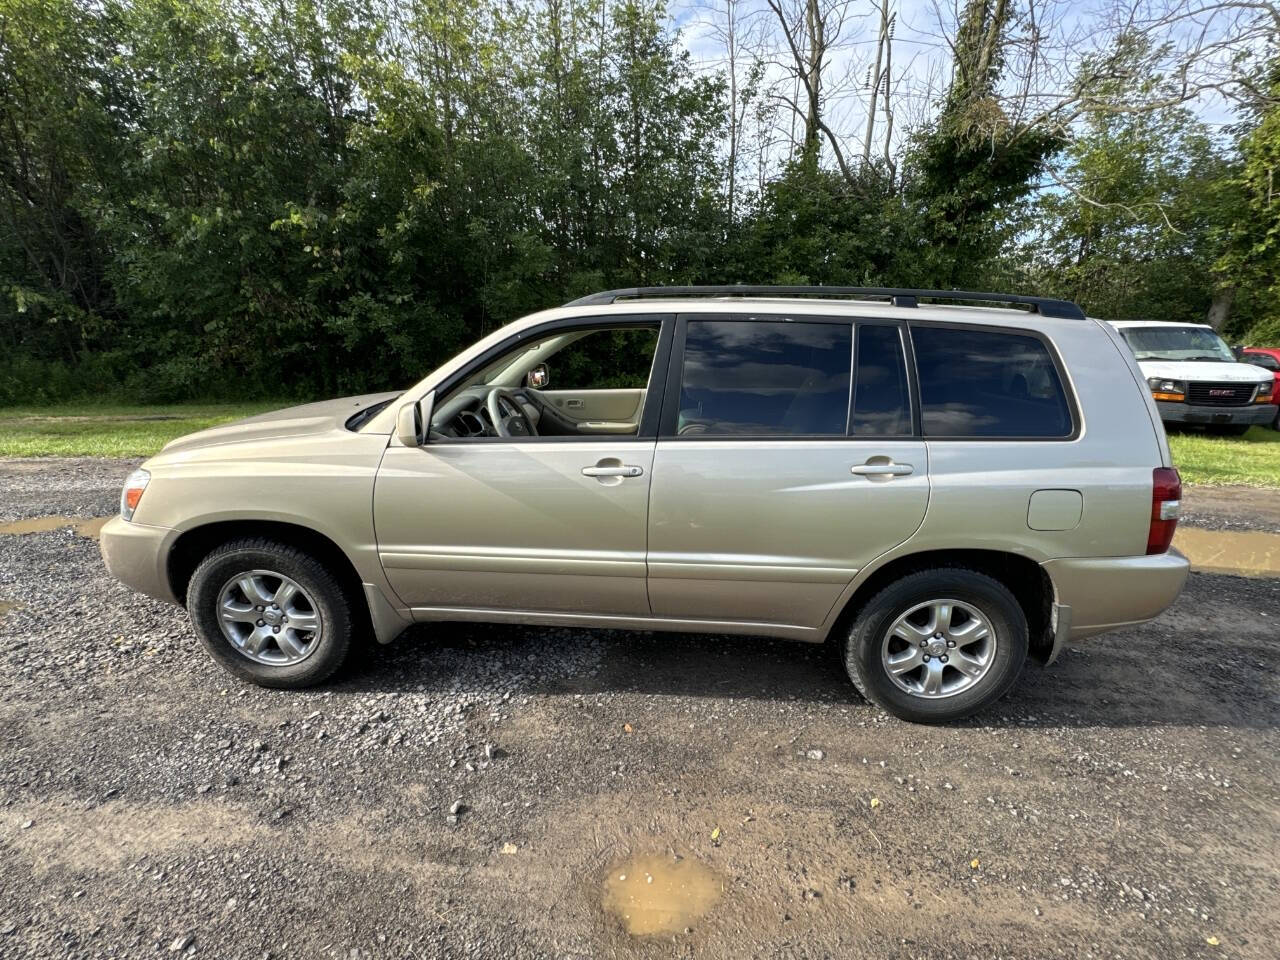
(660, 894)
(1242, 553)
(7, 605)
(83, 526)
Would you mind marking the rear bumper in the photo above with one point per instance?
(1208, 416)
(1096, 594)
(137, 555)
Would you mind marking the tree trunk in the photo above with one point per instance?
(1220, 309)
(731, 11)
(874, 85)
(816, 28)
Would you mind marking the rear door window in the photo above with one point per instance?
(765, 378)
(987, 383)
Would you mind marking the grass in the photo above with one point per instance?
(120, 431)
(1253, 459)
(82, 430)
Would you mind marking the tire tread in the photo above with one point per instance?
(882, 597)
(332, 592)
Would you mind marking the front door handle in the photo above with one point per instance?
(620, 470)
(883, 469)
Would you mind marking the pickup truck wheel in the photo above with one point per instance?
(937, 645)
(270, 613)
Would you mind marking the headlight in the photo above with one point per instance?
(1264, 392)
(1165, 389)
(132, 492)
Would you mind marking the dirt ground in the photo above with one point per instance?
(724, 797)
(1232, 508)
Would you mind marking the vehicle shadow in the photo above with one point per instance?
(1204, 662)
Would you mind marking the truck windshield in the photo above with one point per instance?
(1177, 343)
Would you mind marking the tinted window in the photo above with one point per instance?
(880, 396)
(761, 377)
(980, 384)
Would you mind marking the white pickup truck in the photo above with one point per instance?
(1195, 378)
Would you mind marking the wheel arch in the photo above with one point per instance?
(1024, 577)
(195, 544)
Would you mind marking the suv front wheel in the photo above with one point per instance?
(937, 645)
(270, 613)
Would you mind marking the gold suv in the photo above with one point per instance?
(942, 490)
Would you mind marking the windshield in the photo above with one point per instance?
(1177, 343)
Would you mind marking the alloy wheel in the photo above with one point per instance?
(938, 648)
(269, 618)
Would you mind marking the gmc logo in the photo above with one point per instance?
(1222, 393)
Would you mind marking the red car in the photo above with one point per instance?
(1269, 359)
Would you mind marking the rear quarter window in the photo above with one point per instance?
(988, 383)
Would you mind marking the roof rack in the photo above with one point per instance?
(898, 296)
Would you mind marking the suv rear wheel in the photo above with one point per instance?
(270, 613)
(937, 645)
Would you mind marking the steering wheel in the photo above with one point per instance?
(507, 416)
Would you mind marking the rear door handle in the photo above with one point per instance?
(889, 469)
(621, 470)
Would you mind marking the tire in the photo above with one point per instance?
(972, 597)
(1230, 430)
(300, 658)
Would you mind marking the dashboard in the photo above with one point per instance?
(465, 416)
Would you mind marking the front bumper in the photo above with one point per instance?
(137, 555)
(1096, 594)
(1210, 416)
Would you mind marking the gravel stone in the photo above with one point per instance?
(114, 721)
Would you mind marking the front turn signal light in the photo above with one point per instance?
(134, 486)
(1264, 393)
(1173, 391)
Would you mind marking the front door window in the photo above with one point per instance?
(574, 382)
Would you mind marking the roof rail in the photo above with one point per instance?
(898, 296)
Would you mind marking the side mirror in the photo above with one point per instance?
(538, 377)
(413, 421)
(1237, 349)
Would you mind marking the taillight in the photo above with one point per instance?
(1166, 503)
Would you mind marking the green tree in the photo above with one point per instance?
(975, 161)
(63, 113)
(1127, 224)
(1249, 267)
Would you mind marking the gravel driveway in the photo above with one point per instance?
(480, 791)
